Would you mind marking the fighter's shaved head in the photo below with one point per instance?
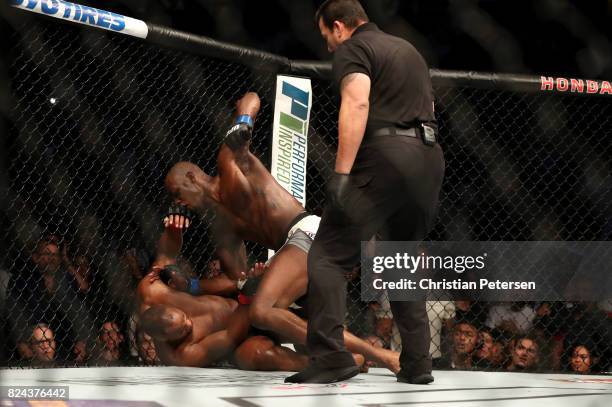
(181, 168)
(178, 173)
(188, 184)
(152, 320)
(165, 323)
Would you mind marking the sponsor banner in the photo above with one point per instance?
(85, 15)
(290, 135)
(572, 85)
(488, 271)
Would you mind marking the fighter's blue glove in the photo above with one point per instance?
(194, 286)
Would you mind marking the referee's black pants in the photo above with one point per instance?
(396, 182)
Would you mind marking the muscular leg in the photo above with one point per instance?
(384, 357)
(261, 353)
(285, 281)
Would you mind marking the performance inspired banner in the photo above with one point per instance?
(85, 15)
(290, 134)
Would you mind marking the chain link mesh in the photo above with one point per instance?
(99, 119)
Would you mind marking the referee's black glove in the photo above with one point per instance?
(338, 188)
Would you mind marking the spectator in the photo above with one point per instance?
(80, 353)
(136, 263)
(42, 345)
(384, 326)
(511, 318)
(132, 335)
(146, 349)
(79, 269)
(353, 275)
(440, 314)
(464, 340)
(472, 312)
(53, 261)
(489, 352)
(582, 323)
(23, 347)
(384, 329)
(48, 293)
(109, 343)
(524, 354)
(119, 274)
(582, 359)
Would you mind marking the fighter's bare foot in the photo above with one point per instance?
(392, 361)
(359, 360)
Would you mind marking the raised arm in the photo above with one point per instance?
(171, 240)
(238, 137)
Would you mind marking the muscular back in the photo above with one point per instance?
(253, 204)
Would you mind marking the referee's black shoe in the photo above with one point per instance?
(314, 374)
(423, 378)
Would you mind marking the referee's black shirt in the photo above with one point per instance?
(400, 93)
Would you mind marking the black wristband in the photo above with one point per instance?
(250, 287)
(238, 136)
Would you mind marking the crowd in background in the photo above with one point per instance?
(61, 311)
(519, 167)
(513, 336)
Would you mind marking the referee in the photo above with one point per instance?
(388, 174)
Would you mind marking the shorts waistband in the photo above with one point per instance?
(292, 224)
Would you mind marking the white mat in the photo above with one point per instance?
(186, 387)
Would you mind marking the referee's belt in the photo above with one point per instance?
(426, 133)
